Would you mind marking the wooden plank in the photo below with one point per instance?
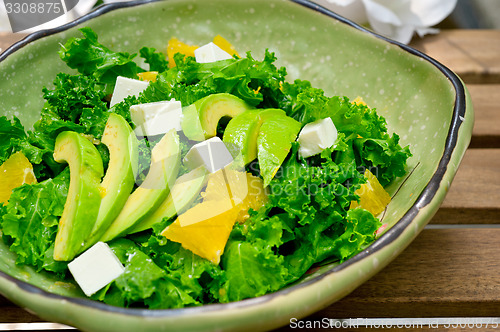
(474, 195)
(443, 273)
(486, 104)
(7, 39)
(13, 314)
(477, 182)
(464, 216)
(472, 54)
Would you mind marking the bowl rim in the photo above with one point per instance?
(424, 199)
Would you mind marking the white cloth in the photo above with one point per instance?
(396, 19)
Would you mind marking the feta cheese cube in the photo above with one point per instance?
(156, 118)
(95, 268)
(212, 153)
(125, 87)
(316, 136)
(210, 53)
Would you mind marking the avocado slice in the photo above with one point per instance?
(190, 123)
(266, 134)
(119, 180)
(200, 120)
(241, 132)
(83, 201)
(274, 141)
(165, 162)
(185, 191)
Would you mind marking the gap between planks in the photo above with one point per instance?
(486, 104)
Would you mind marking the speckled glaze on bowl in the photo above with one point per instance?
(423, 101)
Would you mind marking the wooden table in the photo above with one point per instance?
(453, 268)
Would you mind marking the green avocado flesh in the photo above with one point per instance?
(119, 180)
(274, 141)
(84, 199)
(200, 119)
(190, 123)
(165, 162)
(185, 191)
(241, 132)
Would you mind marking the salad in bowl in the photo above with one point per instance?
(194, 177)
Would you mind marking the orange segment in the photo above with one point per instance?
(372, 196)
(14, 172)
(225, 45)
(245, 190)
(207, 237)
(204, 229)
(217, 187)
(148, 76)
(359, 101)
(176, 46)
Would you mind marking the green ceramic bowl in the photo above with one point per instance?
(422, 100)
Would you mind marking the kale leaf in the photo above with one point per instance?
(31, 219)
(157, 61)
(75, 99)
(91, 58)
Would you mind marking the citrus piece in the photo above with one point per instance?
(372, 196)
(217, 188)
(243, 189)
(14, 172)
(206, 237)
(226, 183)
(204, 229)
(176, 46)
(359, 101)
(149, 76)
(225, 45)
